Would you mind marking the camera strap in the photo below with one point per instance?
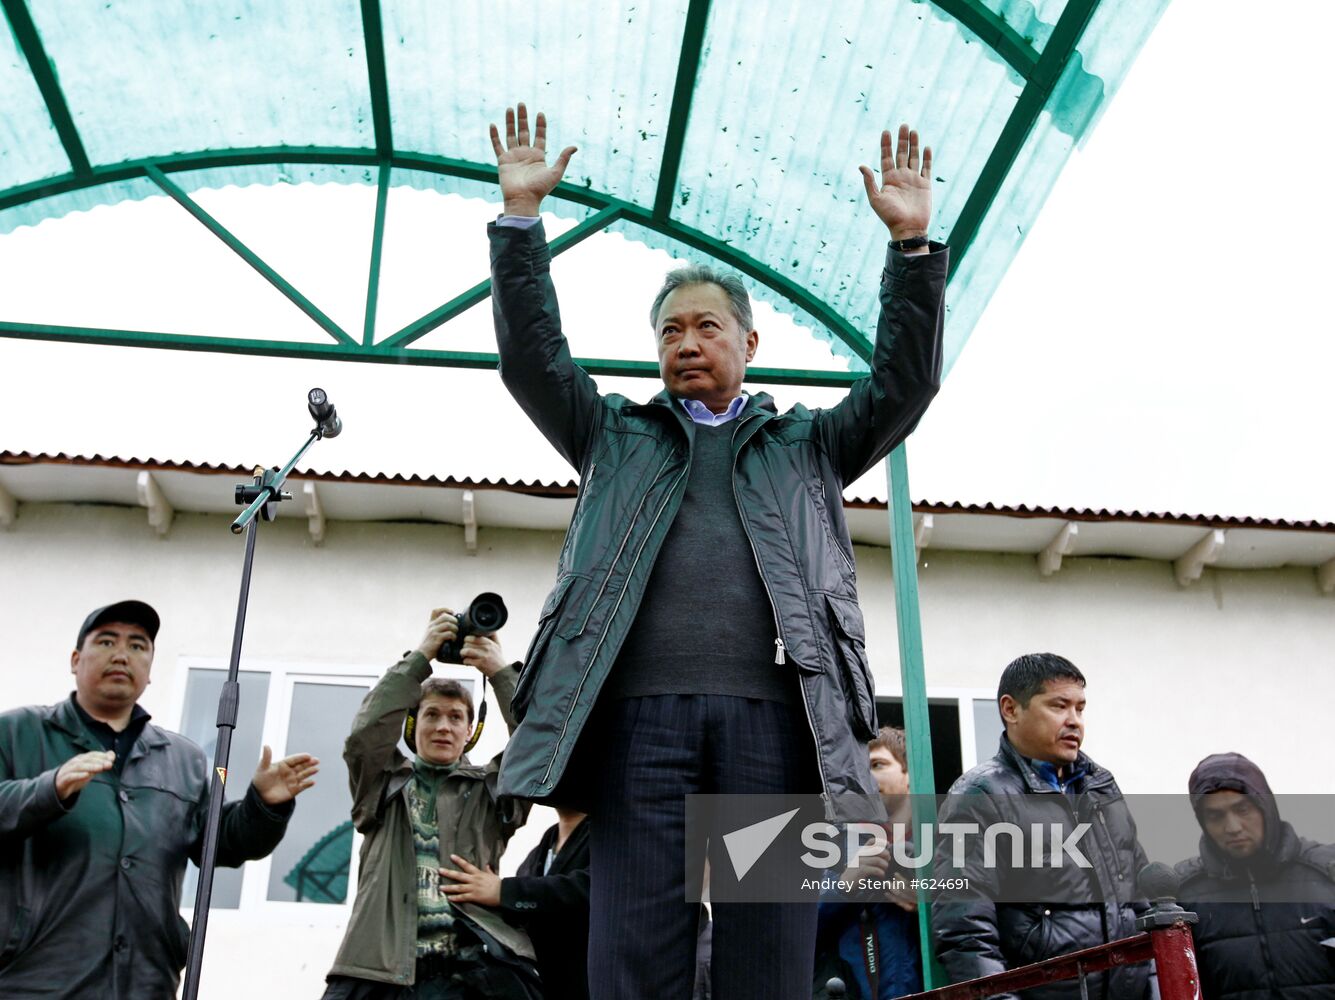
(481, 717)
(870, 958)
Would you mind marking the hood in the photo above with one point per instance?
(1232, 772)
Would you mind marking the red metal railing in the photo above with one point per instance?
(1170, 947)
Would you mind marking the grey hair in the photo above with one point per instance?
(703, 274)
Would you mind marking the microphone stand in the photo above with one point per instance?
(263, 497)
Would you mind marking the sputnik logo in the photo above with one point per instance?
(745, 846)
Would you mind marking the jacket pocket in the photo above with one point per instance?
(817, 492)
(849, 637)
(547, 621)
(1034, 941)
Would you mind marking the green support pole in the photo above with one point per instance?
(377, 244)
(913, 677)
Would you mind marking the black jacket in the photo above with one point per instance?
(554, 909)
(788, 476)
(1261, 922)
(978, 932)
(90, 889)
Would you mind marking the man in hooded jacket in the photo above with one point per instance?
(1264, 897)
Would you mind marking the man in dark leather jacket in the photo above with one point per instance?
(705, 600)
(1263, 896)
(1014, 914)
(99, 811)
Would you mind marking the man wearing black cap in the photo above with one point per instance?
(1264, 896)
(99, 811)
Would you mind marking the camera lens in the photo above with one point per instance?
(488, 612)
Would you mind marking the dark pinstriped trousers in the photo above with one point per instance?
(653, 752)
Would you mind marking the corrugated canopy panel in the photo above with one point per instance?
(724, 129)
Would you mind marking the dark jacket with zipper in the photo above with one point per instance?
(788, 475)
(979, 932)
(553, 906)
(90, 888)
(1260, 922)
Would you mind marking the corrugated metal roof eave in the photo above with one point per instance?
(567, 489)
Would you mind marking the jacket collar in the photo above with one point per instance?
(758, 405)
(65, 717)
(463, 771)
(1095, 777)
(575, 844)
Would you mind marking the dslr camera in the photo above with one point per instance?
(486, 614)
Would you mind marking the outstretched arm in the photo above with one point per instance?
(881, 409)
(372, 747)
(536, 365)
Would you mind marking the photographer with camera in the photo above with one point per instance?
(421, 817)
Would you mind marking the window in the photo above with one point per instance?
(199, 722)
(292, 708)
(965, 729)
(311, 864)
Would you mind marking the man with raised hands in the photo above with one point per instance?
(704, 634)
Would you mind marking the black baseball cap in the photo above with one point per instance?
(130, 612)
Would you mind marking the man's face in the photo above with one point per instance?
(702, 351)
(1052, 726)
(443, 727)
(111, 668)
(1234, 822)
(891, 779)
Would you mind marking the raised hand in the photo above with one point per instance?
(483, 652)
(442, 628)
(903, 200)
(279, 781)
(522, 164)
(75, 773)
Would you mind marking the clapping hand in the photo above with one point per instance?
(74, 775)
(283, 780)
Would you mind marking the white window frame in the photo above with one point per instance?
(284, 675)
(964, 698)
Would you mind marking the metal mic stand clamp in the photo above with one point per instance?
(261, 498)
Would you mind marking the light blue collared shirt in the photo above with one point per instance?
(701, 414)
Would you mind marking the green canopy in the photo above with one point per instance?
(723, 129)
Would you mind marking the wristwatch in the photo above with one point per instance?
(912, 243)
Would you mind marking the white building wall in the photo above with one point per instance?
(1240, 661)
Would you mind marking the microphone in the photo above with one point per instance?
(323, 413)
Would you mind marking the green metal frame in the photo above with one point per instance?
(44, 74)
(1040, 71)
(1038, 88)
(610, 209)
(674, 143)
(913, 680)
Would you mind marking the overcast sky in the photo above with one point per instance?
(1160, 343)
